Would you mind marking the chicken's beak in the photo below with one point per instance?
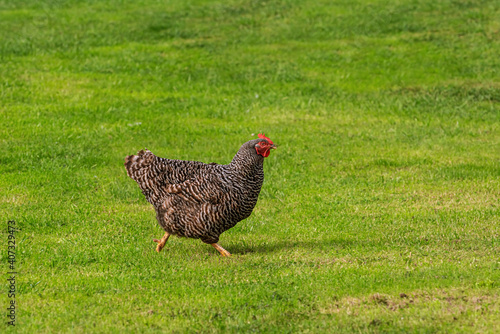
(274, 146)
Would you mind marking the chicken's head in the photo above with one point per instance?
(264, 146)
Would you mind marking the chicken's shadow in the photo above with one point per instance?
(305, 245)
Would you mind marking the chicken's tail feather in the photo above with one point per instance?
(135, 164)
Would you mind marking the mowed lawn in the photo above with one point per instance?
(380, 211)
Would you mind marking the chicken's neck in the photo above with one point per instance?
(246, 162)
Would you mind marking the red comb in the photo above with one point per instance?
(263, 136)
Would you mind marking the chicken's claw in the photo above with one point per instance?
(161, 243)
(221, 250)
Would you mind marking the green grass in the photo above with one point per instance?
(380, 209)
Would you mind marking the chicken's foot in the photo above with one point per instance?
(161, 243)
(221, 250)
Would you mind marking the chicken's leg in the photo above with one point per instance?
(161, 243)
(221, 250)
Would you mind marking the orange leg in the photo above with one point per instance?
(221, 250)
(161, 243)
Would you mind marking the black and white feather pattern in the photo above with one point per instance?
(197, 200)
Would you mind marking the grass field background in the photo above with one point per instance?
(380, 209)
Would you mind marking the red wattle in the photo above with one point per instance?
(264, 151)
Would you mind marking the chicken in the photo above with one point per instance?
(197, 200)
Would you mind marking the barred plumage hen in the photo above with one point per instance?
(197, 200)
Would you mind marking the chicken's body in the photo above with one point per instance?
(197, 200)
